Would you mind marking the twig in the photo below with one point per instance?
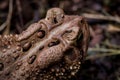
(98, 55)
(19, 8)
(3, 26)
(102, 17)
(107, 52)
(107, 43)
(103, 50)
(6, 24)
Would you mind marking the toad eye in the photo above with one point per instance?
(69, 35)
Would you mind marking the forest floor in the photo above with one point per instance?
(103, 16)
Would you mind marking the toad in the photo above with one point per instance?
(51, 49)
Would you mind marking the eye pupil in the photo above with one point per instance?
(69, 31)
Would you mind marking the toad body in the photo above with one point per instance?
(51, 49)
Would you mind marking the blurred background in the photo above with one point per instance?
(103, 58)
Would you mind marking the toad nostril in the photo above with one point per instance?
(41, 33)
(55, 20)
(82, 21)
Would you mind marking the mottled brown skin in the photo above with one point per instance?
(51, 49)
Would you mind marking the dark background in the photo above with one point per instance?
(103, 59)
